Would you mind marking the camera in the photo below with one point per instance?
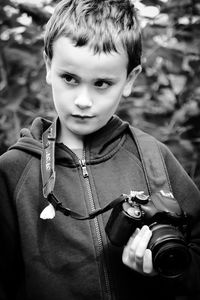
(162, 213)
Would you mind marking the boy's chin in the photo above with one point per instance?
(86, 131)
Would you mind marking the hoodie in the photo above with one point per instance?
(62, 258)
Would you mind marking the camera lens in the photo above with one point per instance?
(170, 253)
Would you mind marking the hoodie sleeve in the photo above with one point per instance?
(11, 265)
(188, 196)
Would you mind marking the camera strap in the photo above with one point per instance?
(49, 176)
(68, 212)
(153, 164)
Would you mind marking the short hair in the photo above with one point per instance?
(103, 25)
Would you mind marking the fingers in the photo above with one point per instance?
(139, 244)
(147, 262)
(136, 255)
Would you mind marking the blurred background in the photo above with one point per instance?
(165, 101)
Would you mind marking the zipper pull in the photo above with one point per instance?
(84, 169)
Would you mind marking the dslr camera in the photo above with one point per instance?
(162, 213)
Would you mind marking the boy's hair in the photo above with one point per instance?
(103, 25)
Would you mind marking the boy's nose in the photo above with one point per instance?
(83, 100)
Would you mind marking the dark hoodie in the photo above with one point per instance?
(63, 258)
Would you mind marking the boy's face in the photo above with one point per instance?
(87, 87)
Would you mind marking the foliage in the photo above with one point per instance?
(166, 98)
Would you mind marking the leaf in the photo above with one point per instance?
(48, 212)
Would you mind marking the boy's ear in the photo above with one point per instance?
(48, 68)
(130, 80)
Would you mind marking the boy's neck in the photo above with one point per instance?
(71, 141)
(68, 138)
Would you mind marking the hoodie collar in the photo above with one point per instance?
(97, 144)
(101, 142)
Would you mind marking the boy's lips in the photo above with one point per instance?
(82, 116)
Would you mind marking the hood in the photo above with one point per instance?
(98, 143)
(30, 140)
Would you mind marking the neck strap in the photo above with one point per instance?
(48, 160)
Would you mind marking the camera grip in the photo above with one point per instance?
(120, 226)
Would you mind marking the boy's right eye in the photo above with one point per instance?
(69, 79)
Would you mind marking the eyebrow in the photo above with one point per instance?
(106, 79)
(70, 74)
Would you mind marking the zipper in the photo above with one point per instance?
(97, 229)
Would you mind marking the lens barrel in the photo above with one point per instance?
(170, 253)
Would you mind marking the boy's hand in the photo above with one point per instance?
(136, 255)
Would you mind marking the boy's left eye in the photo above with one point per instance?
(69, 79)
(101, 84)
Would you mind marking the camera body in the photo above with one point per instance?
(162, 213)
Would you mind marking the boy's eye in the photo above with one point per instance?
(101, 84)
(69, 79)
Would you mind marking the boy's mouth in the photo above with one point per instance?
(82, 116)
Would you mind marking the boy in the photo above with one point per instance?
(92, 56)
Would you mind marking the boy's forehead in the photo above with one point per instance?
(67, 55)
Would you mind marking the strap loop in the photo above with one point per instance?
(68, 212)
